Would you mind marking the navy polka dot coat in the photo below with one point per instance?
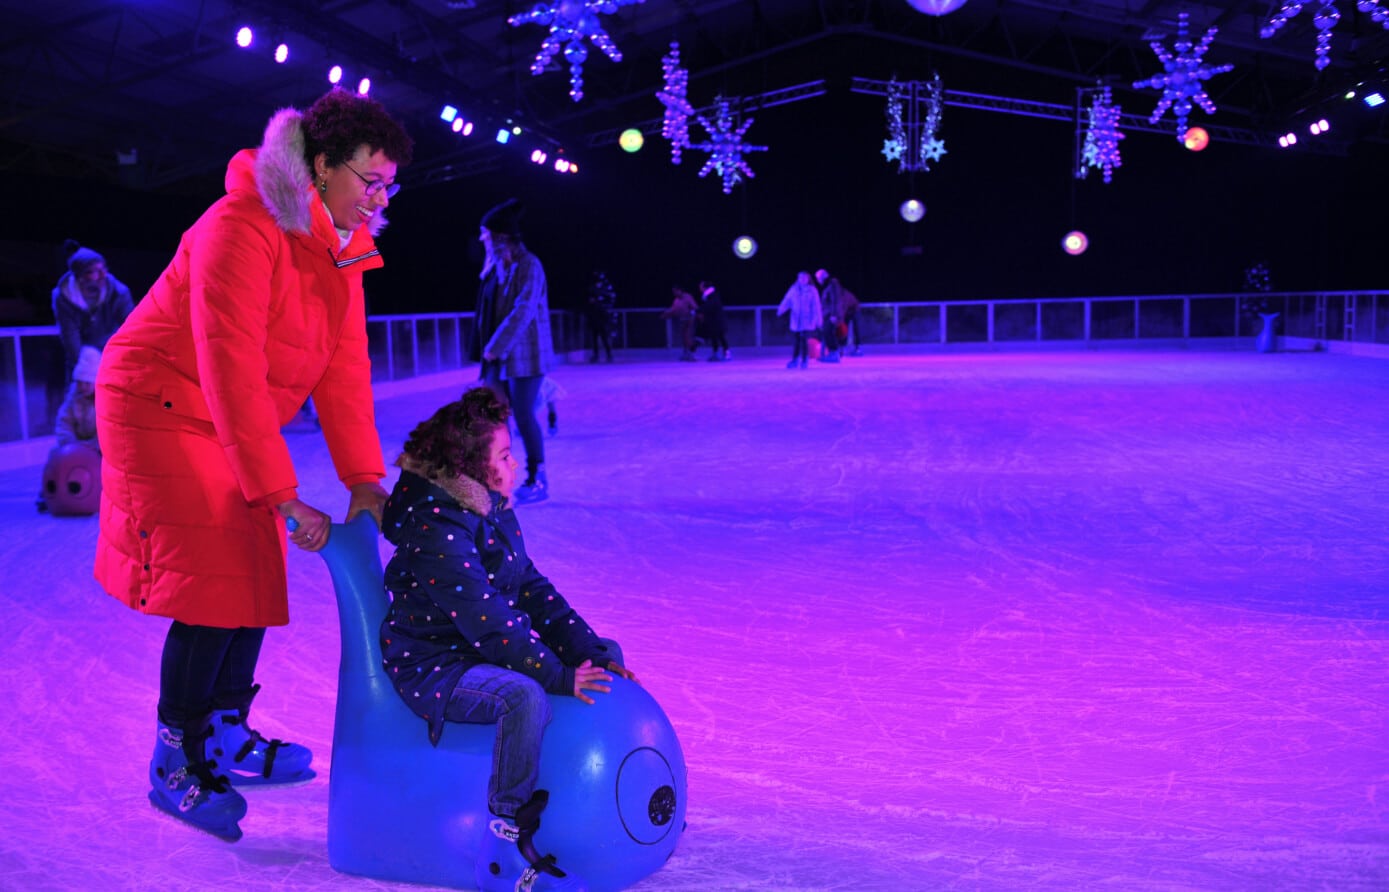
(464, 592)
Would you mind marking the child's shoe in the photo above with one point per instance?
(792, 364)
(193, 792)
(508, 861)
(249, 759)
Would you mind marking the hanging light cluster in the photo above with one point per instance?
(912, 140)
(676, 124)
(725, 145)
(1101, 147)
(1185, 71)
(571, 23)
(1325, 18)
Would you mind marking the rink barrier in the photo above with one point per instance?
(410, 346)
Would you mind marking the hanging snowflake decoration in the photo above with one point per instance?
(930, 148)
(1325, 19)
(896, 142)
(725, 145)
(1101, 148)
(571, 23)
(911, 140)
(676, 126)
(1185, 70)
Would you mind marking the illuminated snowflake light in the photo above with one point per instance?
(1182, 85)
(911, 140)
(1325, 19)
(676, 125)
(725, 145)
(571, 23)
(1101, 148)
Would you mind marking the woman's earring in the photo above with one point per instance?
(322, 184)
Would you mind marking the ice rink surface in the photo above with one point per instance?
(1045, 621)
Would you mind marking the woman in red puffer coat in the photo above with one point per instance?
(261, 308)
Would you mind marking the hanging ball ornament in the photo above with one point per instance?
(1196, 139)
(937, 7)
(631, 140)
(744, 246)
(912, 210)
(1075, 243)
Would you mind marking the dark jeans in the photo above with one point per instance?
(519, 707)
(601, 338)
(523, 393)
(831, 334)
(718, 342)
(852, 322)
(205, 668)
(800, 349)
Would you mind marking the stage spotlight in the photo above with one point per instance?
(503, 136)
(1196, 139)
(457, 125)
(448, 114)
(1075, 243)
(1319, 127)
(573, 167)
(631, 140)
(468, 128)
(335, 74)
(561, 165)
(244, 37)
(282, 53)
(1374, 100)
(912, 210)
(744, 246)
(538, 156)
(364, 86)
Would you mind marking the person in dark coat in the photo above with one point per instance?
(715, 324)
(474, 632)
(831, 311)
(600, 308)
(89, 304)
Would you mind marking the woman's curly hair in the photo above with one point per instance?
(456, 439)
(340, 121)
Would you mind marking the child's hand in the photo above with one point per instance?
(588, 677)
(622, 671)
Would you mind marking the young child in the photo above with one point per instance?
(474, 632)
(802, 301)
(75, 424)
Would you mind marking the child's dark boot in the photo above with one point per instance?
(508, 860)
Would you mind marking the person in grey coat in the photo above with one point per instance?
(513, 333)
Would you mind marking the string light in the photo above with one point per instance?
(1325, 19)
(1101, 147)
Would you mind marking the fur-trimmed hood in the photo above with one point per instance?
(465, 490)
(284, 179)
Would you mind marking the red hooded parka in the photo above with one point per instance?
(258, 310)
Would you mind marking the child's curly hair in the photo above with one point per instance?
(339, 121)
(456, 439)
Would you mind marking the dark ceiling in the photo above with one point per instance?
(154, 94)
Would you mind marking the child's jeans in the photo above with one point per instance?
(518, 705)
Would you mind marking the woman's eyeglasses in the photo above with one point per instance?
(374, 186)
